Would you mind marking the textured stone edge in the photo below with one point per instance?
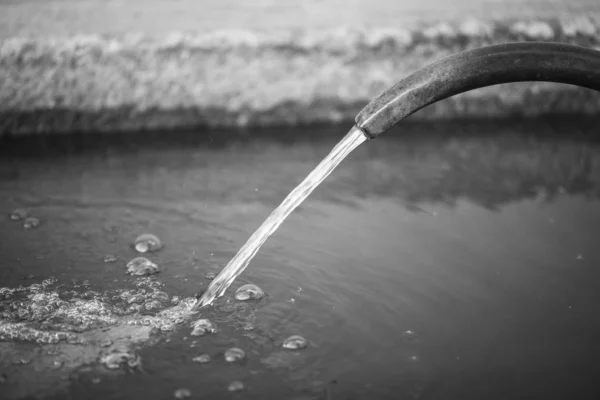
(51, 85)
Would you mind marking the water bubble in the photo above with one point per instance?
(202, 327)
(137, 298)
(234, 354)
(147, 242)
(18, 214)
(202, 359)
(141, 266)
(183, 393)
(295, 342)
(210, 276)
(160, 296)
(153, 305)
(236, 386)
(249, 292)
(109, 258)
(31, 222)
(96, 380)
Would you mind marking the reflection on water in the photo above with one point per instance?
(482, 246)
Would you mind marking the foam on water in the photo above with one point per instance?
(108, 324)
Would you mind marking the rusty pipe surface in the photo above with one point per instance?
(476, 68)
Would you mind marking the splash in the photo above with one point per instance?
(241, 260)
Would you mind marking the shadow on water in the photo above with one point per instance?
(446, 260)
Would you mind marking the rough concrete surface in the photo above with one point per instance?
(111, 65)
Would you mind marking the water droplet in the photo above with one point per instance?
(234, 355)
(18, 214)
(96, 380)
(202, 359)
(183, 393)
(249, 292)
(202, 327)
(109, 258)
(295, 342)
(210, 276)
(410, 336)
(147, 242)
(236, 386)
(141, 266)
(31, 222)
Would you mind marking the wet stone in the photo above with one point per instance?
(31, 222)
(202, 359)
(141, 266)
(109, 258)
(202, 327)
(234, 355)
(18, 214)
(295, 342)
(160, 296)
(249, 292)
(183, 393)
(147, 242)
(236, 386)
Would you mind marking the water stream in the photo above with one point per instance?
(238, 264)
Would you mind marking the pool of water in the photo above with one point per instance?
(440, 261)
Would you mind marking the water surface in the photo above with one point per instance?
(478, 237)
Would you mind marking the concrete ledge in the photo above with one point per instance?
(91, 83)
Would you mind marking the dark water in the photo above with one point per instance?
(480, 237)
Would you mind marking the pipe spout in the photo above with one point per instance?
(476, 68)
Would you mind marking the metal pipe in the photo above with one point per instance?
(476, 68)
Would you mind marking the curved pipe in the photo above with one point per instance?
(472, 69)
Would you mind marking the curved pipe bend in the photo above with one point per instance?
(472, 69)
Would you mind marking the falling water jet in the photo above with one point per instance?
(458, 73)
(241, 260)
